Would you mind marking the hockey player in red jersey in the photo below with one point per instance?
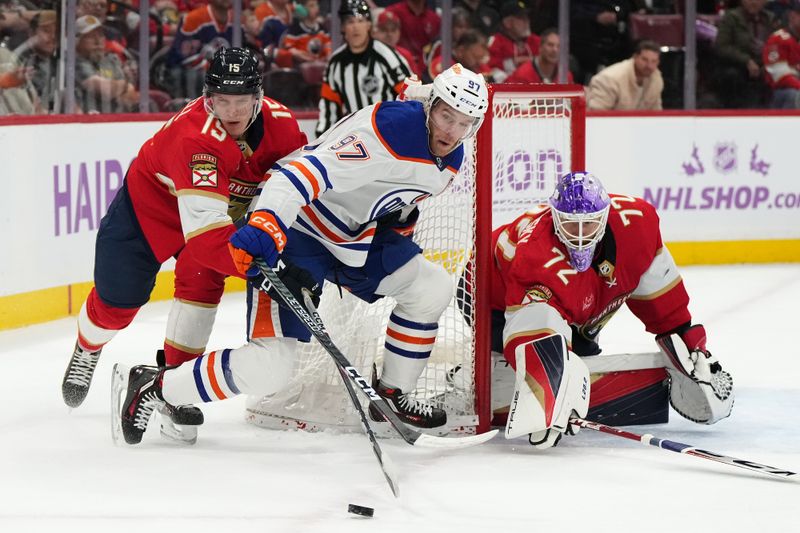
(333, 212)
(560, 273)
(179, 195)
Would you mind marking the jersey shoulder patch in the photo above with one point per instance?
(204, 170)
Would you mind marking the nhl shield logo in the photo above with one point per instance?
(370, 84)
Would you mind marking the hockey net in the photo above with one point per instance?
(531, 135)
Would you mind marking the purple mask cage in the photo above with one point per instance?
(579, 193)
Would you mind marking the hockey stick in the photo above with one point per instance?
(385, 462)
(317, 328)
(673, 446)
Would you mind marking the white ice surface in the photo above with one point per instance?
(59, 471)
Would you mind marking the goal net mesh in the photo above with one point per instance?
(530, 148)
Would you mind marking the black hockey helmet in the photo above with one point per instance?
(233, 71)
(354, 7)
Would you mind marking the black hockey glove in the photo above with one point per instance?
(402, 221)
(296, 279)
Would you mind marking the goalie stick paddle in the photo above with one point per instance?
(317, 329)
(678, 447)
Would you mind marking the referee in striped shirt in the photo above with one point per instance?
(361, 72)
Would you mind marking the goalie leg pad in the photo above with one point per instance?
(551, 385)
(700, 390)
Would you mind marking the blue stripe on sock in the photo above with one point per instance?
(226, 371)
(198, 379)
(413, 325)
(406, 353)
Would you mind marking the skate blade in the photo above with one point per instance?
(179, 434)
(119, 388)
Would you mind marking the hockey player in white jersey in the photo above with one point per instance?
(339, 210)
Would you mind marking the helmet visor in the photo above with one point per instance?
(453, 123)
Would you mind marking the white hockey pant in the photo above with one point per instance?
(422, 290)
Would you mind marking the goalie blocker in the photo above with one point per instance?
(552, 385)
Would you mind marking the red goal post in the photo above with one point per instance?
(530, 136)
(560, 102)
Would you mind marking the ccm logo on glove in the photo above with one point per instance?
(266, 222)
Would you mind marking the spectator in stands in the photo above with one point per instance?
(100, 83)
(419, 27)
(459, 26)
(387, 31)
(115, 40)
(363, 72)
(17, 95)
(598, 34)
(742, 33)
(514, 44)
(305, 39)
(470, 50)
(274, 18)
(634, 83)
(203, 31)
(14, 23)
(38, 53)
(481, 16)
(544, 67)
(782, 60)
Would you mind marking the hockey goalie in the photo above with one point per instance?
(560, 272)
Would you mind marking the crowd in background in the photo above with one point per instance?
(747, 50)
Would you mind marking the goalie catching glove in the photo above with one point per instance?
(700, 390)
(552, 385)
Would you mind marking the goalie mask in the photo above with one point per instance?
(580, 207)
(233, 71)
(465, 92)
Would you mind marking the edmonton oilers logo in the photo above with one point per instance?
(395, 200)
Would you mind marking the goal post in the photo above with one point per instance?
(531, 135)
(508, 139)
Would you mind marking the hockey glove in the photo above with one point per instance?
(551, 385)
(700, 390)
(298, 280)
(263, 237)
(413, 89)
(403, 221)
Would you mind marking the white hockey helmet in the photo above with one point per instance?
(464, 91)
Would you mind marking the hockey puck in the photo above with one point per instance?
(359, 510)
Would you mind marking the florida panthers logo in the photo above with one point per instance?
(395, 200)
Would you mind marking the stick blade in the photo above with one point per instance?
(431, 441)
(390, 472)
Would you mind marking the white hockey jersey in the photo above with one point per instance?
(370, 163)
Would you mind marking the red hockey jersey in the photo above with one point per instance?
(191, 172)
(505, 55)
(531, 270)
(781, 56)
